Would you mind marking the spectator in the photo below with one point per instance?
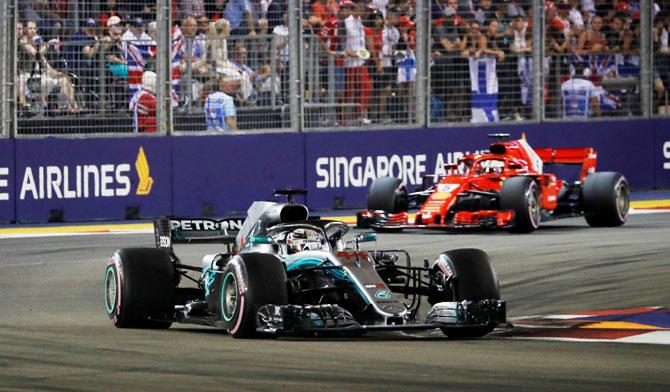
(51, 74)
(521, 48)
(27, 66)
(190, 9)
(151, 30)
(250, 78)
(514, 9)
(358, 84)
(281, 34)
(580, 98)
(140, 49)
(332, 36)
(193, 60)
(618, 38)
(116, 62)
(374, 25)
(81, 52)
(112, 9)
(406, 62)
(320, 14)
(390, 39)
(81, 48)
(556, 41)
(276, 9)
(145, 9)
(379, 5)
(448, 74)
(217, 42)
(485, 12)
(563, 13)
(661, 50)
(483, 75)
(592, 40)
(143, 105)
(220, 111)
(238, 13)
(574, 15)
(498, 40)
(136, 35)
(214, 9)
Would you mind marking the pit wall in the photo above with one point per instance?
(143, 177)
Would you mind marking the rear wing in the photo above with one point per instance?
(570, 156)
(172, 230)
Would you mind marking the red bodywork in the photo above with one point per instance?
(486, 173)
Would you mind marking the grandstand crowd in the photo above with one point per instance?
(80, 57)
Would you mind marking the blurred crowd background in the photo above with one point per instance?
(82, 66)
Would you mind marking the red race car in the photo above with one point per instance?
(505, 187)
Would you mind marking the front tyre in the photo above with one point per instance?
(474, 279)
(140, 288)
(522, 195)
(606, 199)
(248, 282)
(387, 194)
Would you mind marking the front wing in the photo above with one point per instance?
(461, 219)
(324, 319)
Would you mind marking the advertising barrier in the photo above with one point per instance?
(129, 178)
(662, 153)
(219, 175)
(343, 164)
(7, 207)
(83, 179)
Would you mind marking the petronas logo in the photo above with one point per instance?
(143, 173)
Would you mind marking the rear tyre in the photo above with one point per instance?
(140, 288)
(606, 199)
(250, 281)
(521, 195)
(387, 194)
(475, 279)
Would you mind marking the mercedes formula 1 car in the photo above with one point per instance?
(284, 272)
(505, 187)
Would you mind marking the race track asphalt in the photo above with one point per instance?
(55, 334)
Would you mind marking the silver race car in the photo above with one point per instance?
(284, 272)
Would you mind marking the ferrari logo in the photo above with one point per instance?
(145, 180)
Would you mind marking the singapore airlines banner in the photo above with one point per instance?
(341, 165)
(115, 178)
(220, 175)
(7, 210)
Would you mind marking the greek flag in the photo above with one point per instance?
(484, 88)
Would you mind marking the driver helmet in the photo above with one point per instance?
(301, 239)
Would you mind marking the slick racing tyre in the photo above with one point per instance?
(140, 288)
(387, 194)
(248, 282)
(606, 199)
(474, 279)
(521, 195)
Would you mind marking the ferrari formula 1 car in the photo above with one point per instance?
(504, 187)
(287, 273)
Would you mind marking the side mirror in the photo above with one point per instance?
(366, 237)
(260, 240)
(363, 237)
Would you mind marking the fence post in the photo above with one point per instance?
(295, 64)
(163, 66)
(538, 60)
(4, 71)
(646, 58)
(422, 62)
